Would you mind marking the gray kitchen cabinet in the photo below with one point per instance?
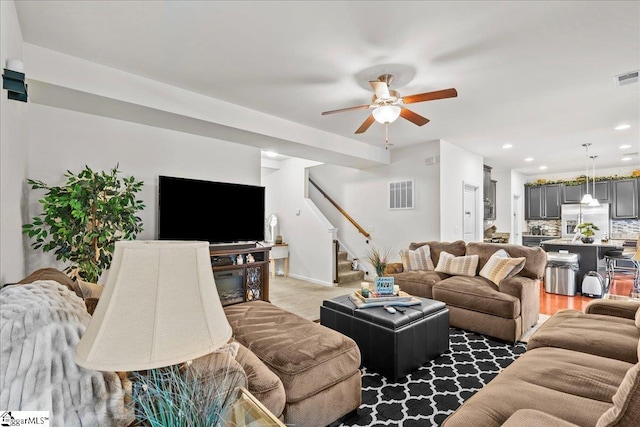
(625, 199)
(574, 193)
(542, 201)
(489, 190)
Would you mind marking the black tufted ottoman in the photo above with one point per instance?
(393, 345)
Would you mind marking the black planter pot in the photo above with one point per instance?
(587, 239)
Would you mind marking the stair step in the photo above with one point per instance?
(342, 256)
(350, 276)
(344, 265)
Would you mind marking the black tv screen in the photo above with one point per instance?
(217, 212)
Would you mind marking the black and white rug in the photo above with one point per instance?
(430, 394)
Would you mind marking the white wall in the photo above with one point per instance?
(458, 166)
(364, 195)
(309, 238)
(13, 155)
(62, 139)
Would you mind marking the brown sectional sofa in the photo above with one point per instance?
(505, 311)
(569, 376)
(318, 369)
(304, 373)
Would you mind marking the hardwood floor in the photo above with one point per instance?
(550, 303)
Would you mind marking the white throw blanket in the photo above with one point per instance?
(41, 323)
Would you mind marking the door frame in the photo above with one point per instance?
(516, 219)
(478, 225)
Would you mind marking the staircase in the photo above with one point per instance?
(345, 273)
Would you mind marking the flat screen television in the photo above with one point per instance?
(217, 212)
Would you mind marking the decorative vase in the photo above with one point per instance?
(586, 239)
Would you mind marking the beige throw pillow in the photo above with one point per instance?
(500, 266)
(420, 259)
(457, 266)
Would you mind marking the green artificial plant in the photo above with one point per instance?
(82, 219)
(587, 229)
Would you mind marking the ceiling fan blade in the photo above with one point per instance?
(342, 110)
(413, 117)
(430, 96)
(381, 89)
(364, 126)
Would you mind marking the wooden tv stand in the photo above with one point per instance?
(243, 282)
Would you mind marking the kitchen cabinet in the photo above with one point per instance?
(574, 193)
(542, 201)
(489, 190)
(625, 199)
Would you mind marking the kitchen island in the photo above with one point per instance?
(590, 255)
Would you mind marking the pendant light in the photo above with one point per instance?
(587, 196)
(594, 201)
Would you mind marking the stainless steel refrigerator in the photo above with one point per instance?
(572, 215)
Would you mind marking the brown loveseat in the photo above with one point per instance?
(304, 373)
(505, 310)
(580, 369)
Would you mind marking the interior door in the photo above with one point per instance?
(470, 213)
(516, 234)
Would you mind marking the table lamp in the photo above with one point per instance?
(159, 307)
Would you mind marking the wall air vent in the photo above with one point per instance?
(401, 195)
(627, 78)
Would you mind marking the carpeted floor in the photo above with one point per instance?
(427, 396)
(304, 298)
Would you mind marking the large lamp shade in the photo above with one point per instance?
(159, 307)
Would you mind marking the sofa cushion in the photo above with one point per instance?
(420, 259)
(418, 283)
(457, 265)
(606, 336)
(638, 318)
(576, 387)
(306, 356)
(500, 266)
(534, 266)
(262, 382)
(477, 294)
(626, 402)
(457, 248)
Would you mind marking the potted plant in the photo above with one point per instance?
(587, 230)
(378, 258)
(82, 219)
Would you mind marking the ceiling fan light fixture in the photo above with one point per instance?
(386, 113)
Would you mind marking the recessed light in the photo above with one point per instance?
(529, 159)
(271, 153)
(507, 146)
(622, 127)
(626, 159)
(622, 147)
(543, 167)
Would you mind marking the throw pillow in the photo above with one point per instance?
(420, 259)
(457, 266)
(90, 290)
(500, 266)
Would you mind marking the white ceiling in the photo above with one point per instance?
(537, 75)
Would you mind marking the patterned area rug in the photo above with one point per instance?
(430, 394)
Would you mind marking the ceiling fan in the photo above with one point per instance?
(388, 105)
